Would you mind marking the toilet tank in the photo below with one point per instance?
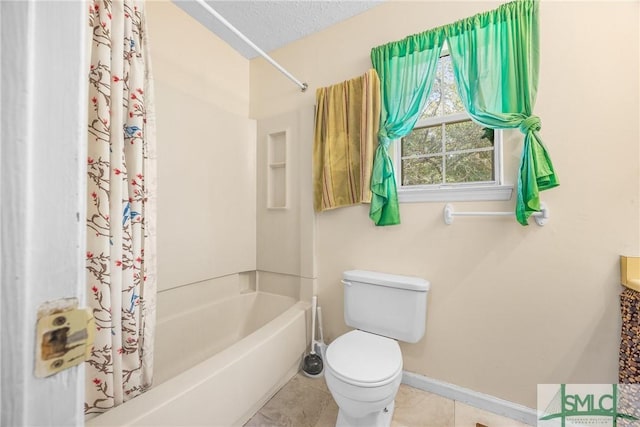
(386, 304)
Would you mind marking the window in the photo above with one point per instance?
(447, 156)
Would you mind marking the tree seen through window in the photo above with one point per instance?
(446, 147)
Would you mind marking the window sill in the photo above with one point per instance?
(455, 194)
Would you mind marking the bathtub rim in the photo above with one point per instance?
(167, 364)
(172, 389)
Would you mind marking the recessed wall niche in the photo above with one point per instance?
(277, 171)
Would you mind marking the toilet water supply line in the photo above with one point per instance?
(212, 11)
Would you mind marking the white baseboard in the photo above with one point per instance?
(476, 399)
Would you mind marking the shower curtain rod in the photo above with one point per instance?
(212, 11)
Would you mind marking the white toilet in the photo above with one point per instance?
(363, 368)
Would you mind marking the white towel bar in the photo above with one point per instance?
(541, 217)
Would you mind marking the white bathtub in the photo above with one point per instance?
(216, 365)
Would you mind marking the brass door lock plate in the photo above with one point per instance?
(64, 335)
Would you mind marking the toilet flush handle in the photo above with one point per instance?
(344, 282)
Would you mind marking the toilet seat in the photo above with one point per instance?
(364, 359)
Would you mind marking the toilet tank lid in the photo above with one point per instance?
(384, 279)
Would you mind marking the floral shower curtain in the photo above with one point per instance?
(120, 260)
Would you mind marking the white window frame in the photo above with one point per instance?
(475, 191)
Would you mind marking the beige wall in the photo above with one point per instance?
(510, 306)
(206, 150)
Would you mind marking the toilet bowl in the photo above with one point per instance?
(363, 368)
(363, 374)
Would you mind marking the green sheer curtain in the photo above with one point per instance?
(495, 59)
(406, 69)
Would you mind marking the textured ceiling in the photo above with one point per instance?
(272, 24)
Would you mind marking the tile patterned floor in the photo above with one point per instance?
(306, 402)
